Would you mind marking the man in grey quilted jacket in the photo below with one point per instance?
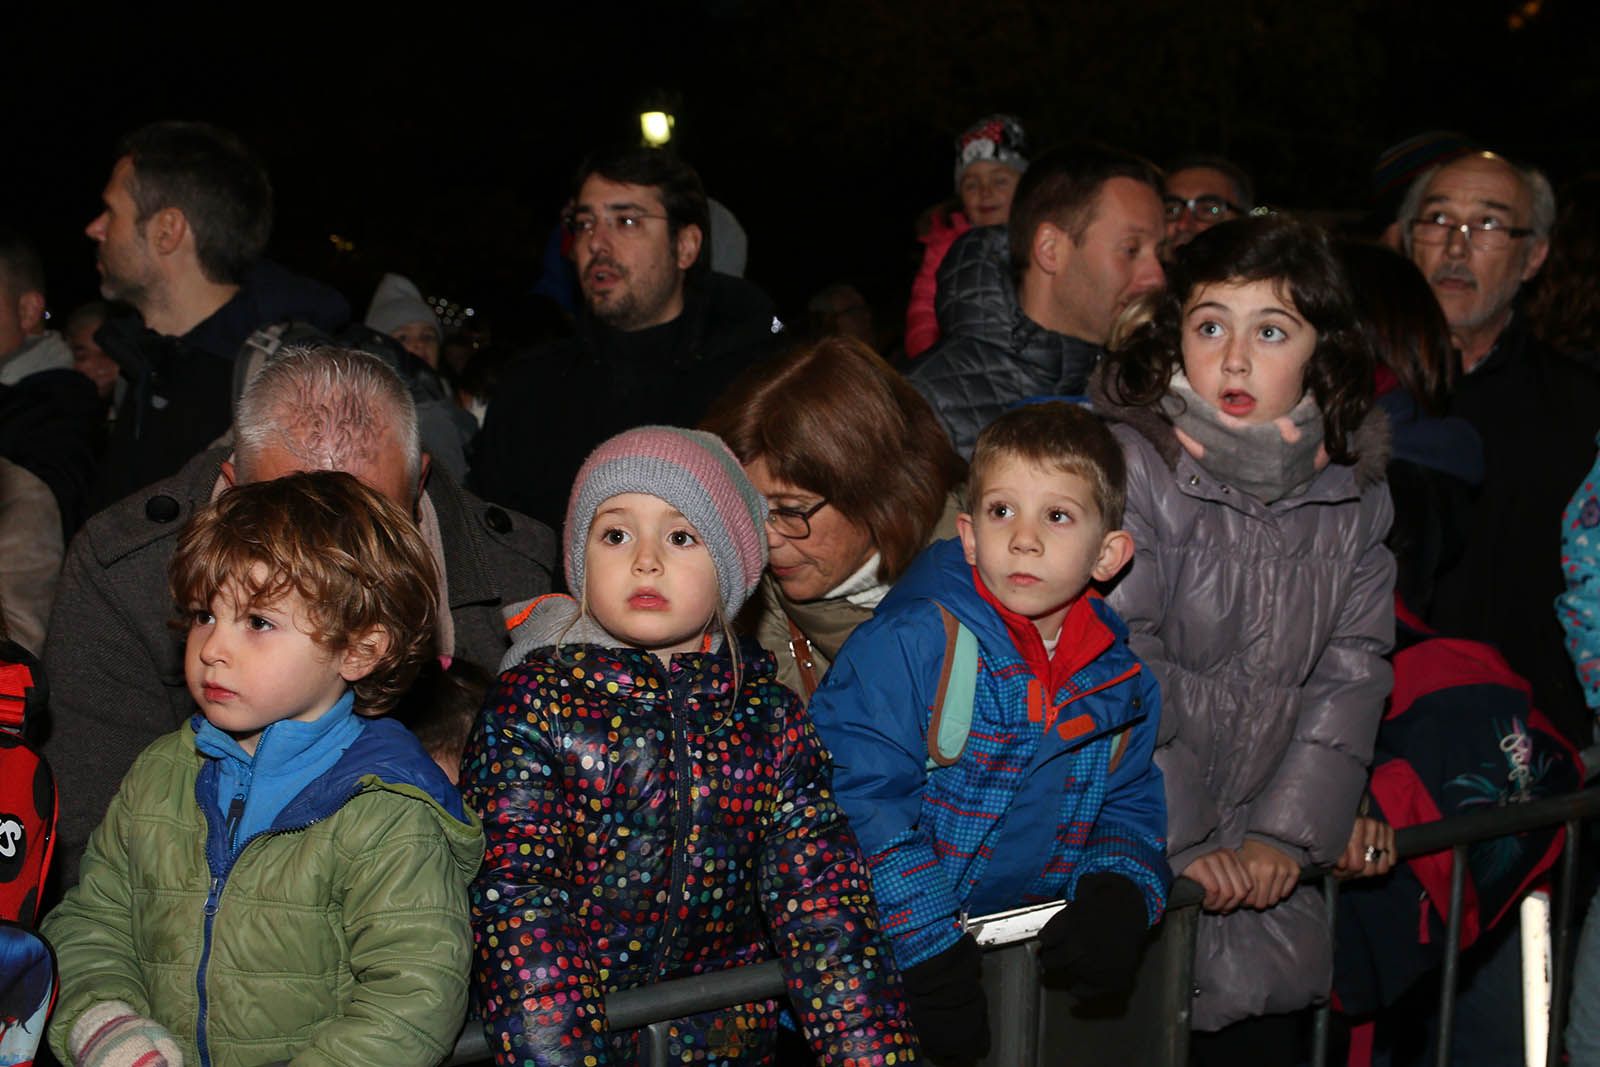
(1025, 310)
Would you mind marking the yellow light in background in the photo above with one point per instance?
(656, 127)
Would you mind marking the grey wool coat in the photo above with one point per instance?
(115, 662)
(1267, 626)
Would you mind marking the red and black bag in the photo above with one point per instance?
(27, 838)
(27, 789)
(1460, 735)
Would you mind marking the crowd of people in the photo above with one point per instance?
(393, 677)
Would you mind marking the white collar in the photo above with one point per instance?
(863, 589)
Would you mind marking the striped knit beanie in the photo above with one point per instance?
(694, 472)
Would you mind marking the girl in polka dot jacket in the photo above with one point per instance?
(656, 805)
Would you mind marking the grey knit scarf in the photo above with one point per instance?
(1270, 461)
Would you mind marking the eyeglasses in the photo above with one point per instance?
(1203, 208)
(794, 523)
(623, 223)
(1490, 235)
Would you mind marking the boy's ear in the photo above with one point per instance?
(362, 654)
(969, 539)
(1116, 549)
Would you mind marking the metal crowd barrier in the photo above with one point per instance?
(1031, 1023)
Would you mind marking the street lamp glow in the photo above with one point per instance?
(656, 127)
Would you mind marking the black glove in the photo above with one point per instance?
(1095, 941)
(948, 1008)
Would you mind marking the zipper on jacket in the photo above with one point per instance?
(235, 817)
(213, 897)
(681, 821)
(219, 882)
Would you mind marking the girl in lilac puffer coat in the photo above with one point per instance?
(1260, 594)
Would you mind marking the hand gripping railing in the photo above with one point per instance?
(654, 1007)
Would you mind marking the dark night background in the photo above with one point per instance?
(440, 141)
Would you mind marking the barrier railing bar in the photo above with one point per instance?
(1184, 923)
(1496, 822)
(627, 1009)
(1324, 1017)
(634, 1008)
(656, 1043)
(1560, 953)
(1452, 955)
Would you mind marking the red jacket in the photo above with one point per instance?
(922, 322)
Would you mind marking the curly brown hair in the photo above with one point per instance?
(1275, 248)
(357, 562)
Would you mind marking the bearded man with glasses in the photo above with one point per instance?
(1478, 227)
(658, 335)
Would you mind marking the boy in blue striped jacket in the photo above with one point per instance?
(1046, 788)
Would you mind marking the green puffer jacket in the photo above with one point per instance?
(340, 936)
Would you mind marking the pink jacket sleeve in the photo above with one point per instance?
(922, 320)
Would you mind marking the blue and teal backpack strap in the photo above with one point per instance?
(952, 702)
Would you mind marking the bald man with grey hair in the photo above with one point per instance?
(114, 662)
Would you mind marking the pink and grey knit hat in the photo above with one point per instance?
(694, 472)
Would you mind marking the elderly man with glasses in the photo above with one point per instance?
(1478, 227)
(658, 334)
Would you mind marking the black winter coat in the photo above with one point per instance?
(179, 399)
(1537, 412)
(555, 403)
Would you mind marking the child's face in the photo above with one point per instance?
(1246, 347)
(249, 667)
(651, 582)
(1037, 539)
(986, 191)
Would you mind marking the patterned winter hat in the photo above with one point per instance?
(992, 139)
(694, 472)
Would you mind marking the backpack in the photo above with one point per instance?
(27, 839)
(951, 721)
(27, 992)
(1460, 734)
(952, 701)
(27, 788)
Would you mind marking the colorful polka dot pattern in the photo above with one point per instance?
(1579, 607)
(642, 825)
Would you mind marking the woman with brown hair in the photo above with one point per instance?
(859, 475)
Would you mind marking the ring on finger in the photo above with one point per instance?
(1372, 853)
